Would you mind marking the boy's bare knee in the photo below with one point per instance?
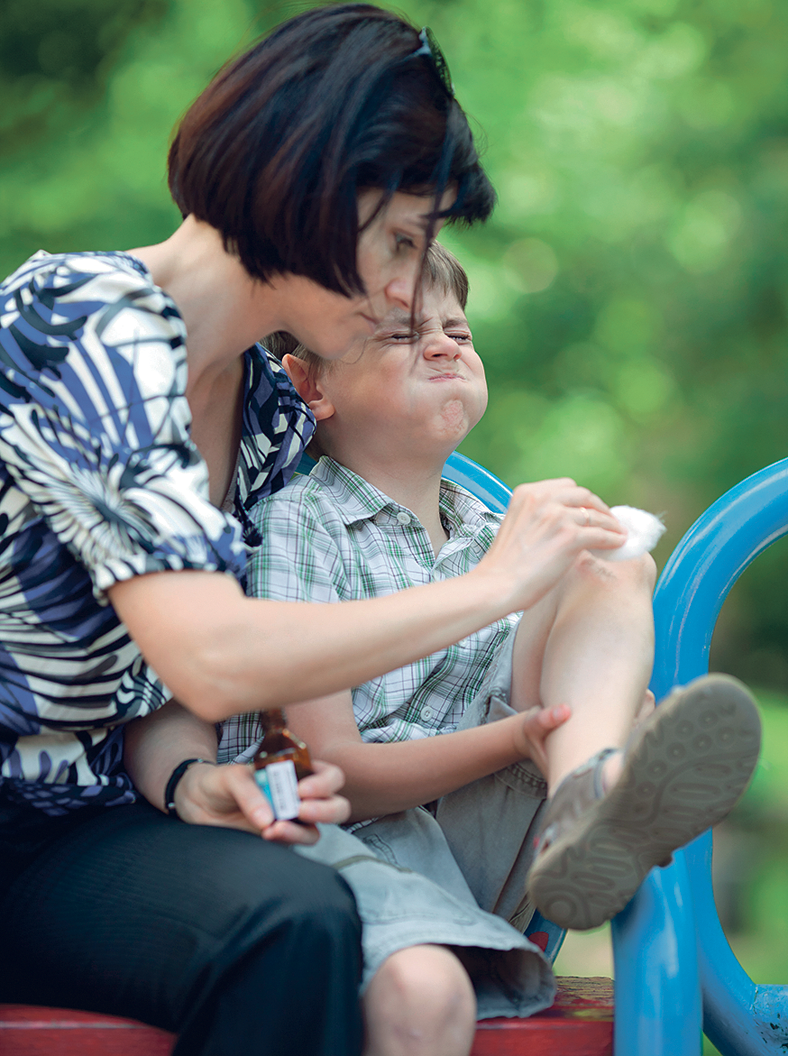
(421, 1001)
(636, 576)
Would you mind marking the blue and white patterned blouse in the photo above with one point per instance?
(100, 481)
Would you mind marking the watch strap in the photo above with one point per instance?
(172, 784)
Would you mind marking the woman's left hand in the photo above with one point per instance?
(229, 795)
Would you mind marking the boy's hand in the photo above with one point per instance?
(229, 796)
(546, 527)
(534, 728)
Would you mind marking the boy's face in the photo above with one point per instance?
(421, 390)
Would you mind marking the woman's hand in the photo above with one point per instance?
(229, 796)
(546, 527)
(534, 728)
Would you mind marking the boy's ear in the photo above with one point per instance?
(308, 387)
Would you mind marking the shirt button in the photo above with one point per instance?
(426, 713)
(403, 518)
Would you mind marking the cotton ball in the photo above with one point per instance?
(643, 533)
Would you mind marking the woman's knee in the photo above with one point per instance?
(241, 888)
(421, 1000)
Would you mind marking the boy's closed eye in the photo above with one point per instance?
(403, 337)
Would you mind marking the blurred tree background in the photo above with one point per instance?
(630, 294)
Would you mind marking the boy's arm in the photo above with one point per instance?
(385, 778)
(300, 558)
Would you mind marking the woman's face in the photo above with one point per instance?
(389, 254)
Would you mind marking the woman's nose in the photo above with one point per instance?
(400, 291)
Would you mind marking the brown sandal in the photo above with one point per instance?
(683, 770)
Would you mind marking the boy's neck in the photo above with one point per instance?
(415, 486)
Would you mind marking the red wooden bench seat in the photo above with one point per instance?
(580, 1023)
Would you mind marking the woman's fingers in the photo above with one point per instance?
(291, 832)
(229, 795)
(319, 804)
(247, 796)
(325, 781)
(319, 799)
(224, 795)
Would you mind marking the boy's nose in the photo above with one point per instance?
(439, 345)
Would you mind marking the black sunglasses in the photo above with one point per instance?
(432, 49)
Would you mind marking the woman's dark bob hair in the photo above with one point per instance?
(275, 151)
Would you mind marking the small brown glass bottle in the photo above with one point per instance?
(281, 761)
(279, 743)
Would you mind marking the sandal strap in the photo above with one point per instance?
(576, 793)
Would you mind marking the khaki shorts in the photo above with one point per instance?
(454, 873)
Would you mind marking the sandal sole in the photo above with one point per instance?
(684, 773)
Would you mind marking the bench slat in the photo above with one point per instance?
(580, 1023)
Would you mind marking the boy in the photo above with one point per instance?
(445, 758)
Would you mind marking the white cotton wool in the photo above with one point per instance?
(643, 533)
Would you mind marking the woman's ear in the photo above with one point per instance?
(307, 385)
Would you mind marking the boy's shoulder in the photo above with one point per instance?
(329, 491)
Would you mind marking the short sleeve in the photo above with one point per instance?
(94, 422)
(298, 558)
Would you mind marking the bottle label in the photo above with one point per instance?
(278, 782)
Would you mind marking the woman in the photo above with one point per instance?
(312, 174)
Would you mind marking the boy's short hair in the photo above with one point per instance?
(337, 100)
(441, 269)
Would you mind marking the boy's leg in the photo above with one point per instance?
(613, 815)
(589, 643)
(683, 770)
(235, 944)
(412, 900)
(420, 1003)
(491, 825)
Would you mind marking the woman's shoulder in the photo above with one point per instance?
(57, 294)
(64, 316)
(54, 271)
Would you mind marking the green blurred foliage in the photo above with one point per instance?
(629, 296)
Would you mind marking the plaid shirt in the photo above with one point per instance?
(332, 537)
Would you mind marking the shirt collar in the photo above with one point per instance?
(358, 500)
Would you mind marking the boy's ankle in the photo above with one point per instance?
(611, 769)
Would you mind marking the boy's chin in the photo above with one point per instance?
(457, 420)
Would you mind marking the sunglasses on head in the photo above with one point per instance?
(432, 49)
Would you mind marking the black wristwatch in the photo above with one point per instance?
(172, 784)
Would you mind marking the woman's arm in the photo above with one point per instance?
(221, 653)
(385, 778)
(221, 795)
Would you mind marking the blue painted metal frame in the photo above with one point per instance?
(479, 481)
(738, 1016)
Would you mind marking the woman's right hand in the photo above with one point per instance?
(546, 527)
